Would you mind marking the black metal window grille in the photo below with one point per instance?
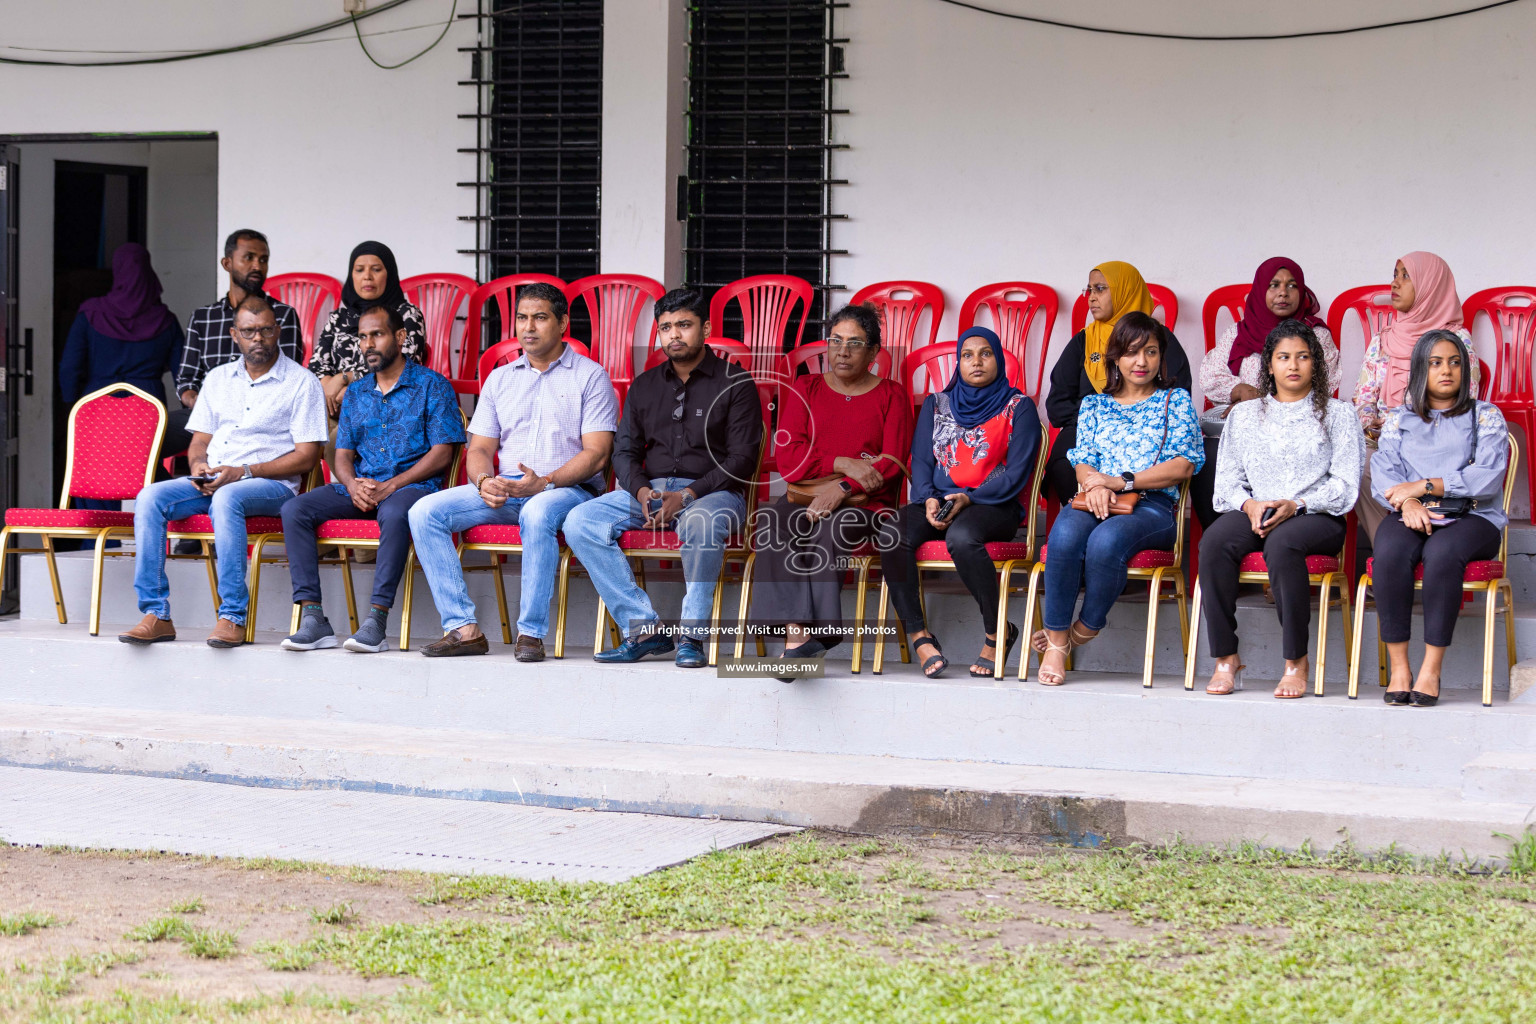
(757, 197)
(538, 76)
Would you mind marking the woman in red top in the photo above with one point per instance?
(837, 425)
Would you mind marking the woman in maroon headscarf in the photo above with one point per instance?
(1229, 373)
(126, 336)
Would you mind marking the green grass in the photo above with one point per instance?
(341, 913)
(193, 905)
(26, 923)
(814, 930)
(205, 943)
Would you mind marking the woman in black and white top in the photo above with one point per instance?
(372, 280)
(1287, 473)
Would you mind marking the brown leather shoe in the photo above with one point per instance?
(150, 631)
(452, 646)
(528, 648)
(226, 634)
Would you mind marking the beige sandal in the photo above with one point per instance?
(1038, 642)
(1234, 681)
(1291, 674)
(1049, 676)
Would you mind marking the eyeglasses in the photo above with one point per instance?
(681, 397)
(1096, 289)
(854, 345)
(252, 333)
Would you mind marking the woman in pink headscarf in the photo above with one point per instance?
(1424, 295)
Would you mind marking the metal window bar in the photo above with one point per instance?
(537, 72)
(758, 194)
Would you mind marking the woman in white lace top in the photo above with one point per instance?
(1287, 472)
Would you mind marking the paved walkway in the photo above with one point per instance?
(377, 830)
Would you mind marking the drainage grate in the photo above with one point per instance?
(757, 197)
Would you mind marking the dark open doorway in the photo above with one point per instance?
(96, 208)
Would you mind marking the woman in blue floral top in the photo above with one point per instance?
(1141, 434)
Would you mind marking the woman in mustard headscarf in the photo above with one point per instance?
(1114, 289)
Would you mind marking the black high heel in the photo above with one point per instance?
(1397, 698)
(1422, 700)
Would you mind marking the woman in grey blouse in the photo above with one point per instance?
(1287, 472)
(1441, 442)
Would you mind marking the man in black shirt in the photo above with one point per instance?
(685, 454)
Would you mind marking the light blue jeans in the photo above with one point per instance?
(703, 527)
(230, 505)
(437, 517)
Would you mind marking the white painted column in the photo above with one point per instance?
(643, 143)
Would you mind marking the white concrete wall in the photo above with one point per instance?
(986, 150)
(319, 148)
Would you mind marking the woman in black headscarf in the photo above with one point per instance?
(973, 454)
(372, 280)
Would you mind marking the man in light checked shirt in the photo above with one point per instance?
(549, 416)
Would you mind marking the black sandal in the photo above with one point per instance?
(988, 664)
(938, 656)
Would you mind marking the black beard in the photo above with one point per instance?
(246, 286)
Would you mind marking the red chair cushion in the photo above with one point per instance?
(1316, 564)
(1141, 560)
(663, 540)
(998, 551)
(67, 518)
(1477, 572)
(492, 533)
(348, 529)
(204, 524)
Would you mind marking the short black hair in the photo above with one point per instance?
(257, 303)
(1131, 334)
(1417, 396)
(867, 317)
(395, 323)
(678, 299)
(545, 293)
(233, 241)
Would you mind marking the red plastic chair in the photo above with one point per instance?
(440, 297)
(1162, 299)
(1013, 306)
(767, 302)
(614, 303)
(312, 296)
(1511, 312)
(728, 349)
(937, 362)
(504, 291)
(1232, 298)
(1372, 303)
(901, 305)
(507, 352)
(813, 356)
(112, 442)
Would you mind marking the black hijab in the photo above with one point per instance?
(393, 295)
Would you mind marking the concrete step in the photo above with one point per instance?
(1082, 807)
(1096, 721)
(953, 616)
(1501, 776)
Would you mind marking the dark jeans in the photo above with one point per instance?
(1230, 539)
(1445, 554)
(1202, 488)
(966, 538)
(302, 516)
(1082, 546)
(800, 565)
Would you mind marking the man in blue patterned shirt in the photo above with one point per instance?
(395, 441)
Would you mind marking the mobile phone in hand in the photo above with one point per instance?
(945, 509)
(653, 506)
(206, 478)
(1269, 514)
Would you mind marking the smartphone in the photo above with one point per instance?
(204, 479)
(945, 509)
(653, 506)
(1269, 514)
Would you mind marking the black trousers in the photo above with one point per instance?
(1224, 546)
(1445, 554)
(800, 565)
(177, 437)
(966, 538)
(1202, 488)
(302, 516)
(1060, 474)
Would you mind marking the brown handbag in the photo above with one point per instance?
(1123, 503)
(803, 492)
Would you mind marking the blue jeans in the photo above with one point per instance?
(703, 527)
(160, 503)
(1083, 545)
(437, 517)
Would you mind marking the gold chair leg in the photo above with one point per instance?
(1192, 645)
(5, 539)
(716, 607)
(741, 619)
(860, 596)
(598, 630)
(253, 571)
(880, 613)
(1356, 635)
(501, 598)
(1154, 594)
(1181, 605)
(1004, 580)
(53, 577)
(407, 598)
(213, 576)
(562, 601)
(1031, 612)
(1509, 618)
(1325, 588)
(346, 582)
(96, 563)
(1488, 620)
(294, 620)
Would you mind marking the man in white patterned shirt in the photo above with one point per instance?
(258, 426)
(550, 416)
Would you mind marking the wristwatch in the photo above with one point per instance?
(549, 484)
(846, 486)
(1429, 488)
(1130, 482)
(247, 474)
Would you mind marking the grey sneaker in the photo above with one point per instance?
(369, 638)
(314, 633)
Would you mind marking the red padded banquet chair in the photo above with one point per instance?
(112, 443)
